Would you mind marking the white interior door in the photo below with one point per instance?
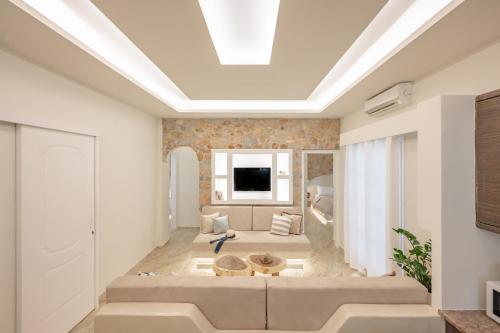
(55, 229)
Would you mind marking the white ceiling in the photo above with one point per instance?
(471, 27)
(310, 38)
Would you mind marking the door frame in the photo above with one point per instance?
(306, 152)
(17, 119)
(172, 190)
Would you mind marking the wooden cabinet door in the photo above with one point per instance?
(488, 161)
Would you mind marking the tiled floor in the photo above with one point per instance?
(175, 257)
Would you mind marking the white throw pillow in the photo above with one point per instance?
(221, 224)
(325, 190)
(207, 224)
(281, 225)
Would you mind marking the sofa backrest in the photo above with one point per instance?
(227, 302)
(240, 217)
(305, 304)
(258, 218)
(263, 216)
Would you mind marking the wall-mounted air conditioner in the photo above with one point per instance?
(392, 98)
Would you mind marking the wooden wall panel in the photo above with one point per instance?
(488, 161)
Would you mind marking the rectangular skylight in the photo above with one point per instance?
(242, 31)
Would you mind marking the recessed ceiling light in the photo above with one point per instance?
(242, 31)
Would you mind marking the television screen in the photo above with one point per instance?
(252, 179)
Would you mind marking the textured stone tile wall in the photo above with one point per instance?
(318, 165)
(205, 134)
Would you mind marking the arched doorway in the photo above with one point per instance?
(183, 188)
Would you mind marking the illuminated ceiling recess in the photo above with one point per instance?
(395, 26)
(242, 31)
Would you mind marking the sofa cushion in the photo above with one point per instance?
(221, 224)
(207, 224)
(296, 225)
(280, 225)
(253, 241)
(234, 303)
(311, 301)
(240, 217)
(263, 215)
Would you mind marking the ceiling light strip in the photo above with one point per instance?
(266, 106)
(85, 26)
(408, 25)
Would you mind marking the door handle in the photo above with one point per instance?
(91, 225)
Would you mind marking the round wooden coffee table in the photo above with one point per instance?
(229, 265)
(274, 267)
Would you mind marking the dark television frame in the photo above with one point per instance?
(250, 189)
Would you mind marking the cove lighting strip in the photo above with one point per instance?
(84, 25)
(395, 26)
(242, 31)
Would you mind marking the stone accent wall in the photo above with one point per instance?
(318, 165)
(205, 134)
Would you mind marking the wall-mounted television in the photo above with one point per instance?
(252, 179)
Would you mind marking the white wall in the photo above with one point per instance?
(473, 75)
(464, 256)
(188, 189)
(462, 253)
(128, 157)
(410, 175)
(7, 227)
(470, 256)
(163, 227)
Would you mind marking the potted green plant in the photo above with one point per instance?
(417, 262)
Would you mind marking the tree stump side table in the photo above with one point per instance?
(274, 267)
(229, 265)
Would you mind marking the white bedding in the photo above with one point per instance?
(324, 205)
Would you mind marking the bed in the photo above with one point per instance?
(322, 201)
(324, 205)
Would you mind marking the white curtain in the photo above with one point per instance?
(367, 201)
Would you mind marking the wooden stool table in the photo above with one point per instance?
(274, 267)
(229, 265)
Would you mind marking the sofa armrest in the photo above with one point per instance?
(214, 296)
(151, 318)
(387, 318)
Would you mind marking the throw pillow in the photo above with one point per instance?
(206, 223)
(296, 225)
(221, 224)
(280, 225)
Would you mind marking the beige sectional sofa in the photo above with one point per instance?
(259, 304)
(252, 225)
